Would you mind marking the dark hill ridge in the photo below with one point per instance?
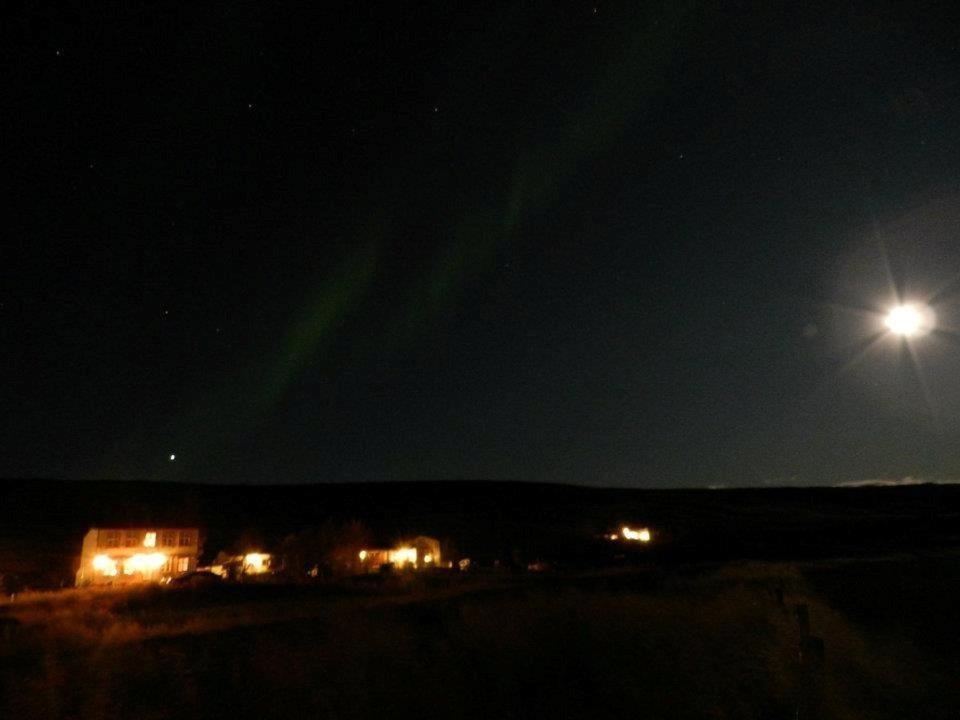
(43, 521)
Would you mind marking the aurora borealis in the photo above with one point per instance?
(603, 244)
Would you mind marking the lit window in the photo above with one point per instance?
(150, 539)
(403, 555)
(183, 564)
(105, 565)
(256, 563)
(643, 535)
(144, 564)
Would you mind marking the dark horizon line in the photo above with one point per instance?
(849, 485)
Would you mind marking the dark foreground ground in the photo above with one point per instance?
(698, 641)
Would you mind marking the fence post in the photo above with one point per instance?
(812, 656)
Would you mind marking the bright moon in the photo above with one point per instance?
(906, 320)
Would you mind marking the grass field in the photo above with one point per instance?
(719, 641)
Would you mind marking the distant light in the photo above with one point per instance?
(908, 320)
(256, 563)
(172, 457)
(363, 554)
(642, 535)
(150, 539)
(403, 555)
(428, 558)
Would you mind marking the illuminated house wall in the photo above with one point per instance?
(239, 567)
(129, 555)
(418, 554)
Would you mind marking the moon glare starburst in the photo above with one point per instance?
(908, 320)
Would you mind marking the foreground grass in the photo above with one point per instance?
(717, 643)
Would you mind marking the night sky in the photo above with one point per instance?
(612, 244)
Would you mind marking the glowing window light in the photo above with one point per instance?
(105, 566)
(428, 558)
(403, 555)
(144, 563)
(363, 555)
(256, 563)
(150, 539)
(642, 535)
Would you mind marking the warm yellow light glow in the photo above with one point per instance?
(428, 558)
(909, 320)
(403, 555)
(256, 563)
(642, 535)
(150, 539)
(363, 554)
(144, 563)
(105, 566)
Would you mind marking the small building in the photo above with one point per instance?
(112, 556)
(239, 567)
(628, 534)
(418, 554)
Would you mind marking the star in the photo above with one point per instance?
(172, 457)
